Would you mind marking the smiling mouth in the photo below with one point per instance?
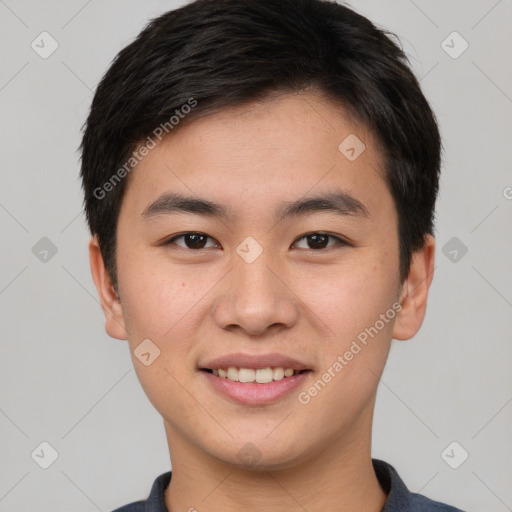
(253, 375)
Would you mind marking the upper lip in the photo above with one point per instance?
(240, 360)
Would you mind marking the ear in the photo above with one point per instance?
(414, 292)
(110, 301)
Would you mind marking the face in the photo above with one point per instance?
(272, 243)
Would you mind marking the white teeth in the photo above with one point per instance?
(264, 375)
(232, 373)
(246, 375)
(261, 375)
(278, 374)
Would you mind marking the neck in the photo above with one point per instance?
(339, 478)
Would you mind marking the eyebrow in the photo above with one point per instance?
(339, 202)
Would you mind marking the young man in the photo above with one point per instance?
(260, 180)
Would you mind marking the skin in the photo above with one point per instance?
(293, 299)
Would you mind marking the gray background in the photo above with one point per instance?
(64, 381)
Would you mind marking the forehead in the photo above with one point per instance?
(254, 156)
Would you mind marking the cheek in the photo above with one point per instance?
(354, 353)
(160, 306)
(160, 301)
(150, 296)
(351, 297)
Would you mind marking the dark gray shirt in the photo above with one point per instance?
(399, 497)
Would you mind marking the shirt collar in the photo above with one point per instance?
(399, 497)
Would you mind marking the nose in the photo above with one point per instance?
(256, 298)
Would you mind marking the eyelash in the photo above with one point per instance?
(340, 241)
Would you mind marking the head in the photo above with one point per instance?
(293, 131)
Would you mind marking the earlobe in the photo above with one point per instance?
(110, 302)
(415, 290)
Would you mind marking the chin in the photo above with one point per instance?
(260, 455)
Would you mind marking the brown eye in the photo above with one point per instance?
(191, 241)
(318, 241)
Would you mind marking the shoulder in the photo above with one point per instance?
(423, 504)
(136, 506)
(155, 501)
(400, 499)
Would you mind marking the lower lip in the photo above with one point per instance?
(253, 393)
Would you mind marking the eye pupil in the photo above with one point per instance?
(318, 241)
(195, 241)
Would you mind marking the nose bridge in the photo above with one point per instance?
(254, 297)
(255, 280)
